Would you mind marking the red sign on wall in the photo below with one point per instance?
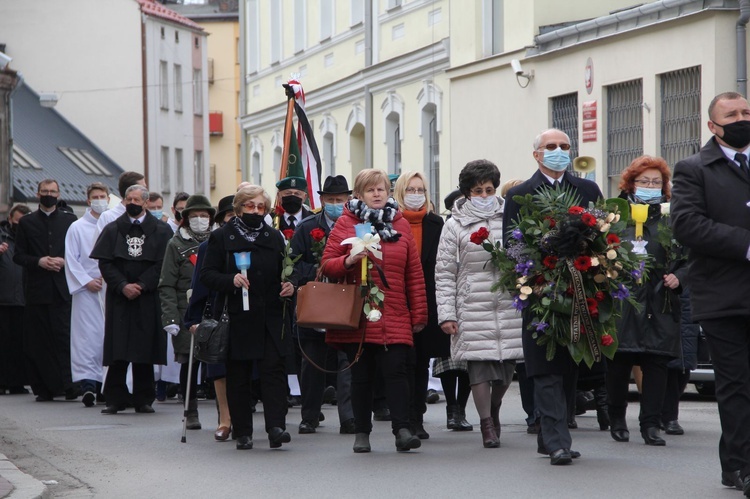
(589, 110)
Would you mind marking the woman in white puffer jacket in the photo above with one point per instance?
(486, 328)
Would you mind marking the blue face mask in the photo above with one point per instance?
(157, 213)
(334, 210)
(557, 160)
(647, 193)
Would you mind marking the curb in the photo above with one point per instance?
(15, 484)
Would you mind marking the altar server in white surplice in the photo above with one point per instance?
(85, 284)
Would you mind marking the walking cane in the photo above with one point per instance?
(187, 388)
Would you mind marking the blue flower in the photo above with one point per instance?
(523, 268)
(638, 273)
(519, 304)
(621, 293)
(517, 234)
(540, 326)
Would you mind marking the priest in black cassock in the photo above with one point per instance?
(130, 251)
(40, 249)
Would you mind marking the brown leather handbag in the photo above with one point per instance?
(328, 305)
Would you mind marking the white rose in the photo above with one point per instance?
(605, 227)
(526, 290)
(521, 280)
(374, 315)
(594, 261)
(611, 254)
(610, 217)
(616, 219)
(665, 209)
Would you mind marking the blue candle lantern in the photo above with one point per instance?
(362, 229)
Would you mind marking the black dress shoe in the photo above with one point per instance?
(619, 429)
(420, 432)
(244, 442)
(572, 424)
(306, 428)
(406, 441)
(347, 427)
(144, 409)
(113, 409)
(673, 428)
(731, 479)
(89, 399)
(382, 414)
(278, 436)
(746, 486)
(651, 437)
(43, 398)
(560, 457)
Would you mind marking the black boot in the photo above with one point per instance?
(461, 423)
(619, 429)
(451, 413)
(602, 416)
(193, 423)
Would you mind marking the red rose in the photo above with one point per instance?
(480, 235)
(599, 296)
(594, 314)
(582, 263)
(575, 210)
(550, 261)
(612, 239)
(539, 280)
(317, 234)
(278, 210)
(607, 340)
(569, 291)
(288, 233)
(592, 303)
(552, 222)
(588, 219)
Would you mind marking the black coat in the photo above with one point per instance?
(535, 356)
(40, 235)
(431, 341)
(711, 217)
(11, 274)
(307, 266)
(247, 329)
(132, 328)
(655, 329)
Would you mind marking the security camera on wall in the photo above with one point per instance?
(516, 65)
(4, 60)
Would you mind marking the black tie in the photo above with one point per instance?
(137, 222)
(742, 160)
(292, 221)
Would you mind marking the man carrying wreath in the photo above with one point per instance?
(552, 380)
(309, 241)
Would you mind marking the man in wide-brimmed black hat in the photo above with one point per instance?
(308, 241)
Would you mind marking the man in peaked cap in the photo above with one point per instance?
(334, 195)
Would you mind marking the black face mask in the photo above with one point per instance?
(48, 201)
(291, 204)
(253, 220)
(133, 209)
(736, 134)
(177, 216)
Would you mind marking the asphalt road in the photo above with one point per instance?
(140, 455)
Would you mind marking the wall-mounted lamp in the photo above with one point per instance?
(4, 61)
(518, 70)
(48, 99)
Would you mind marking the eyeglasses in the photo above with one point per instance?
(252, 206)
(644, 182)
(412, 190)
(552, 147)
(46, 192)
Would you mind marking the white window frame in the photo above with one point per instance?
(300, 26)
(327, 19)
(177, 88)
(198, 91)
(276, 31)
(164, 85)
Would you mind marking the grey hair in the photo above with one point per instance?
(538, 139)
(137, 187)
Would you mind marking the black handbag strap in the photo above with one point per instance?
(360, 349)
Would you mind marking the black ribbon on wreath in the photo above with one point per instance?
(580, 315)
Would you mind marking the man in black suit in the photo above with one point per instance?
(711, 216)
(292, 195)
(40, 249)
(553, 380)
(312, 382)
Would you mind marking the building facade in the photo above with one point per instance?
(133, 80)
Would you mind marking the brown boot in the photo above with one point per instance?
(489, 435)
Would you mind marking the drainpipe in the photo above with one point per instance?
(369, 16)
(144, 97)
(8, 195)
(742, 47)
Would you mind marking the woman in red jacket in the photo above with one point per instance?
(404, 308)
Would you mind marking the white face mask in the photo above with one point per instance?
(483, 204)
(414, 202)
(99, 205)
(198, 224)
